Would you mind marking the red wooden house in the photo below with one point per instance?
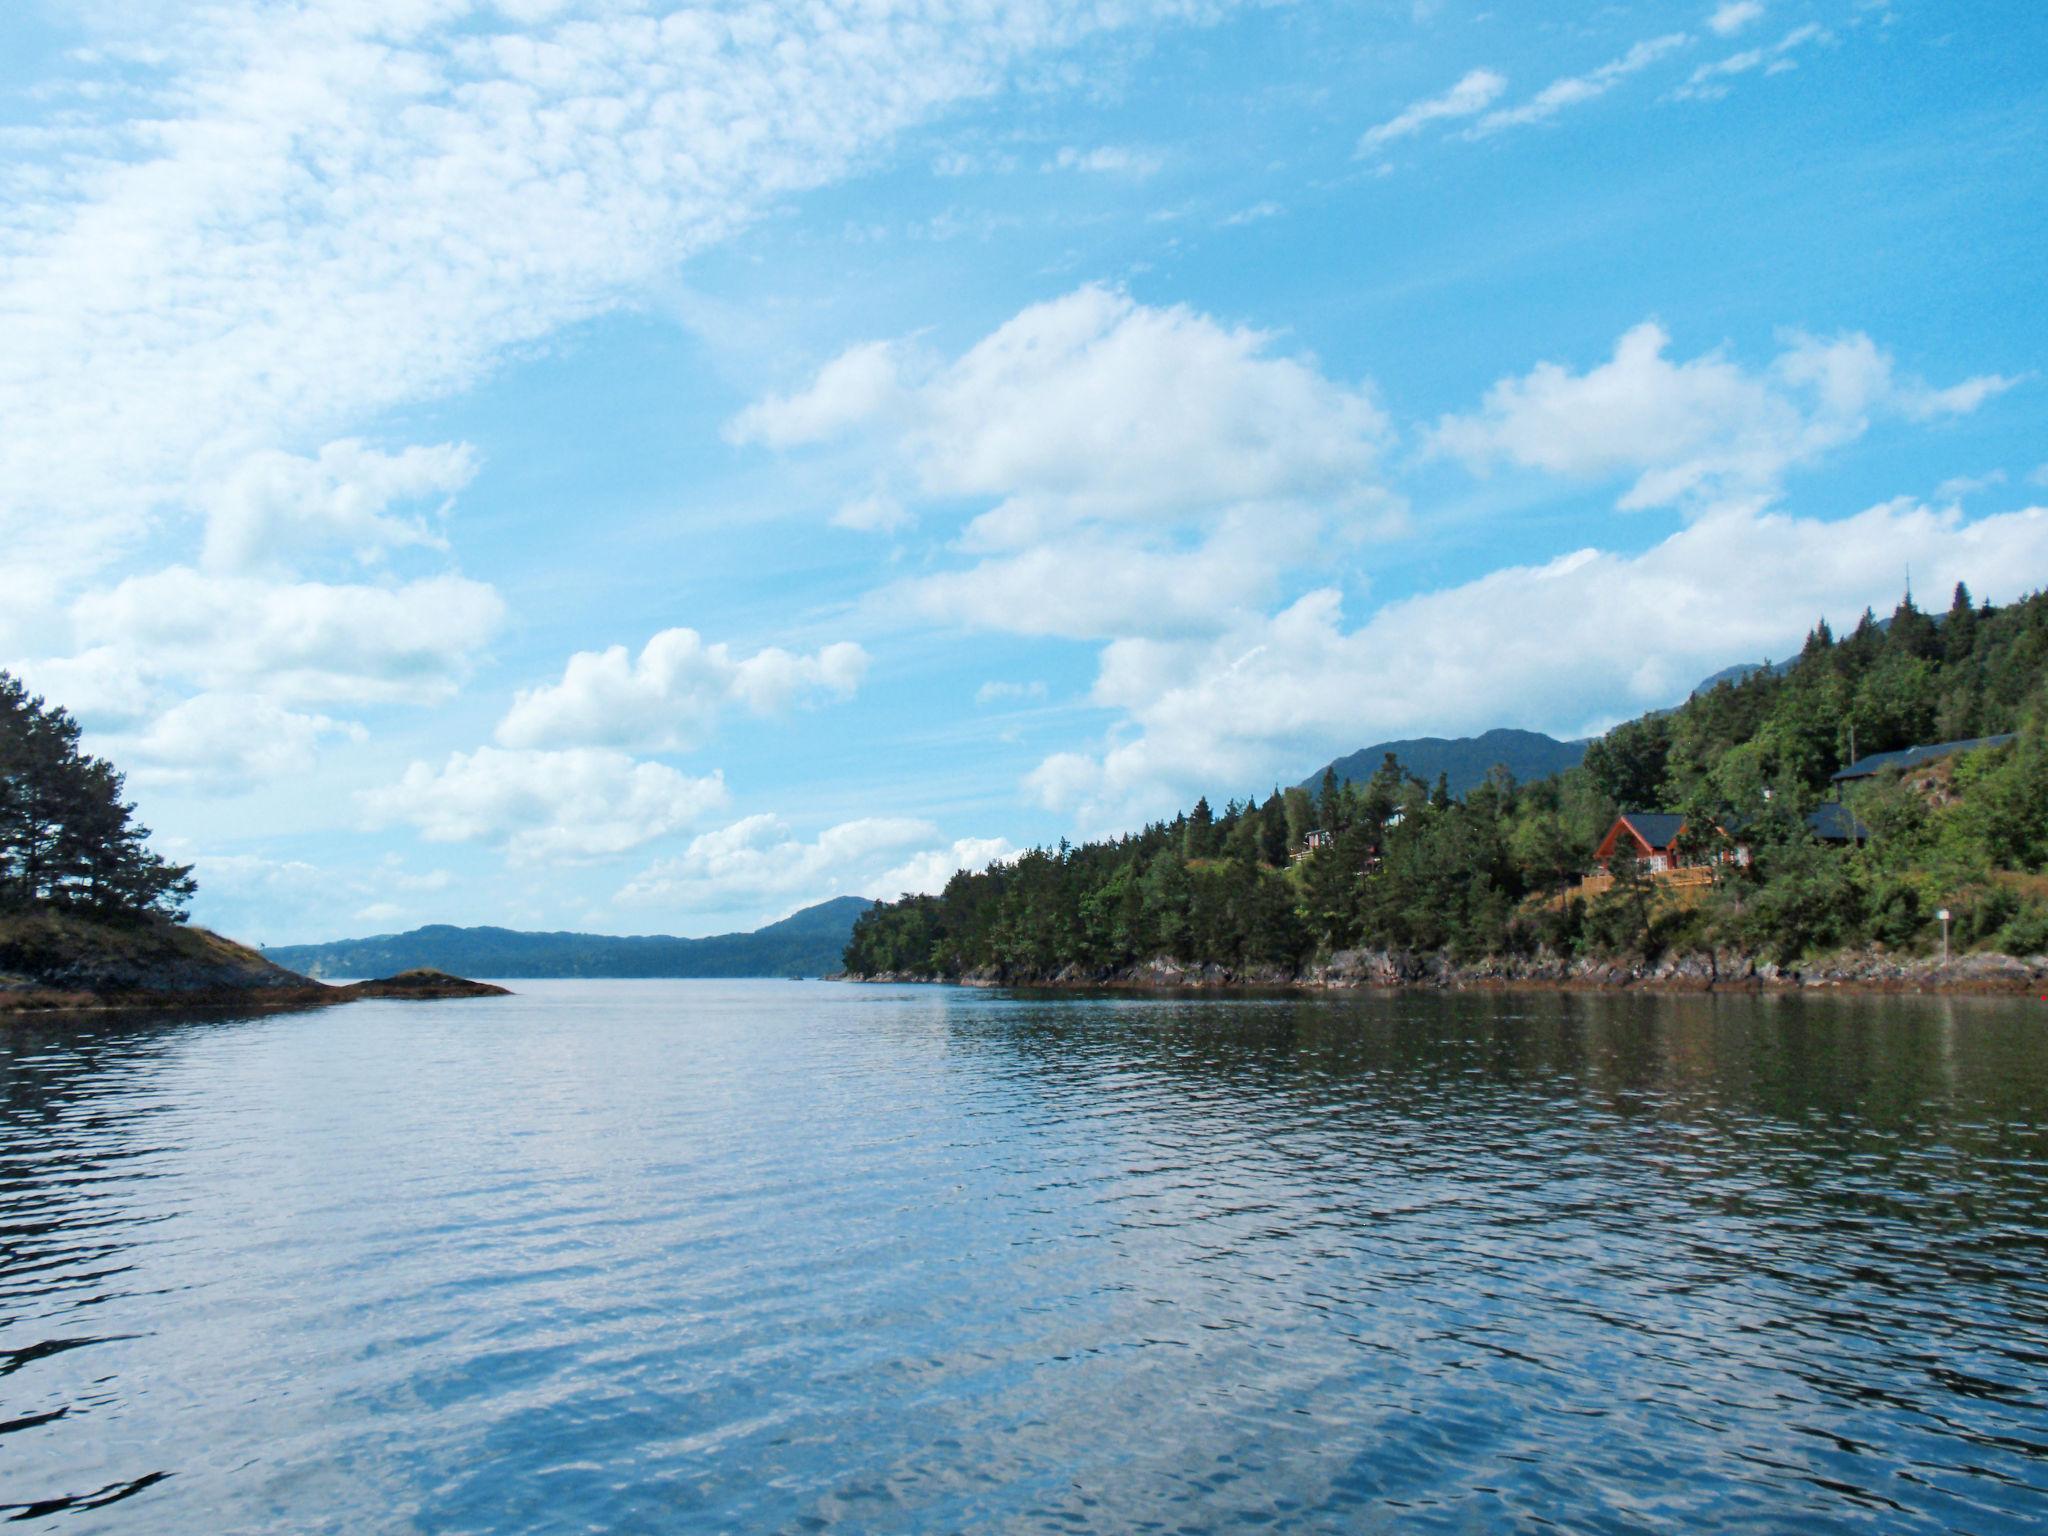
(1654, 836)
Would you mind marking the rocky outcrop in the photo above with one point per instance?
(52, 960)
(1699, 971)
(421, 984)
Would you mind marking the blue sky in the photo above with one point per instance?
(637, 468)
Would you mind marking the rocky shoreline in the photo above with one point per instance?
(412, 985)
(1362, 969)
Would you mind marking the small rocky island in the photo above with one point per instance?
(53, 960)
(92, 917)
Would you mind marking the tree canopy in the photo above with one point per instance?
(67, 837)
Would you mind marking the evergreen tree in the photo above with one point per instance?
(67, 837)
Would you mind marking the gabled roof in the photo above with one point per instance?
(1913, 757)
(1832, 823)
(1657, 828)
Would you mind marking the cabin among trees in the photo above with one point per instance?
(1666, 847)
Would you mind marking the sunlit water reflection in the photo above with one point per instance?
(623, 1256)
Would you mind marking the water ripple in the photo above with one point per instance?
(752, 1256)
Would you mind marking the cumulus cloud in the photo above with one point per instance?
(562, 806)
(407, 642)
(1478, 90)
(759, 860)
(1575, 90)
(1132, 465)
(275, 505)
(1095, 406)
(854, 386)
(1095, 586)
(1276, 695)
(1698, 431)
(670, 696)
(217, 743)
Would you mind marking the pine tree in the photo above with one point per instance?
(67, 837)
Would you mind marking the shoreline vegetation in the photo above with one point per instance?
(1930, 876)
(91, 918)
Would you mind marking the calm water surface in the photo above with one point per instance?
(689, 1256)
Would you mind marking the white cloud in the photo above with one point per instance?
(1095, 586)
(854, 386)
(218, 743)
(292, 640)
(1473, 94)
(1698, 431)
(671, 695)
(1096, 406)
(1550, 647)
(1110, 160)
(253, 895)
(759, 860)
(319, 212)
(1731, 18)
(1956, 487)
(582, 803)
(1140, 470)
(995, 692)
(1574, 90)
(876, 513)
(273, 505)
(1709, 82)
(927, 872)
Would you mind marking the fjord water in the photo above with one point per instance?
(699, 1256)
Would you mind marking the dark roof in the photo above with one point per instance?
(1657, 828)
(1833, 823)
(1913, 757)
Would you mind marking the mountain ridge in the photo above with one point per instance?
(806, 943)
(1464, 761)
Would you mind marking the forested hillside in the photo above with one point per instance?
(1405, 865)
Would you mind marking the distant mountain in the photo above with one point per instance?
(1745, 669)
(807, 943)
(1464, 760)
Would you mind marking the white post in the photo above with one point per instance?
(1943, 915)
